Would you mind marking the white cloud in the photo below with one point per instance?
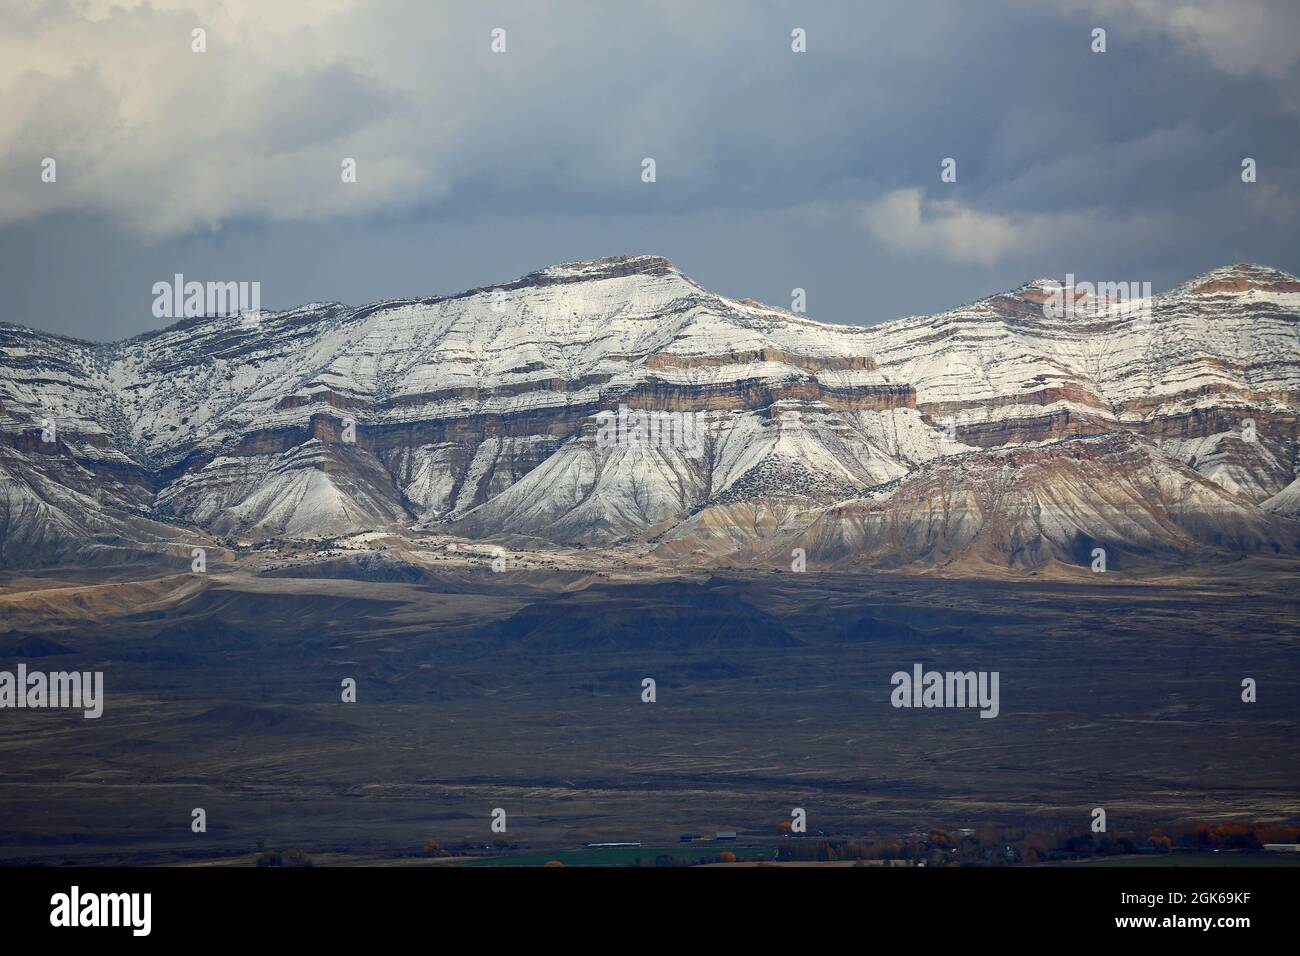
(167, 142)
(904, 220)
(1236, 36)
(948, 231)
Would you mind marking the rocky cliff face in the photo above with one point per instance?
(478, 413)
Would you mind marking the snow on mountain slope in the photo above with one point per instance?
(586, 495)
(478, 409)
(1005, 371)
(589, 495)
(63, 513)
(1026, 506)
(313, 491)
(1237, 463)
(1285, 502)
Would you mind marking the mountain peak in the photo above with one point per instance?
(1235, 278)
(1038, 290)
(588, 270)
(607, 268)
(1243, 277)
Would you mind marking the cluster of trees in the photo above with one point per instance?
(1228, 836)
(667, 859)
(436, 849)
(1006, 846)
(1233, 835)
(285, 858)
(997, 846)
(830, 851)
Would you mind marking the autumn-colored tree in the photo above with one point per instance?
(855, 851)
(1276, 834)
(551, 863)
(1235, 836)
(1035, 847)
(296, 858)
(783, 827)
(726, 856)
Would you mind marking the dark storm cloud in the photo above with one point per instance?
(775, 169)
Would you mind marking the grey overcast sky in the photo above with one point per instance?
(775, 169)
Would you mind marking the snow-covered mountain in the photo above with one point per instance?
(1160, 430)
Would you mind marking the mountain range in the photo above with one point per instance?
(992, 434)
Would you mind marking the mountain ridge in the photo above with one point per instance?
(523, 281)
(475, 413)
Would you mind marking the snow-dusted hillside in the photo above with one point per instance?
(478, 412)
(1059, 501)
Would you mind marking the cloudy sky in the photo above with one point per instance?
(775, 169)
